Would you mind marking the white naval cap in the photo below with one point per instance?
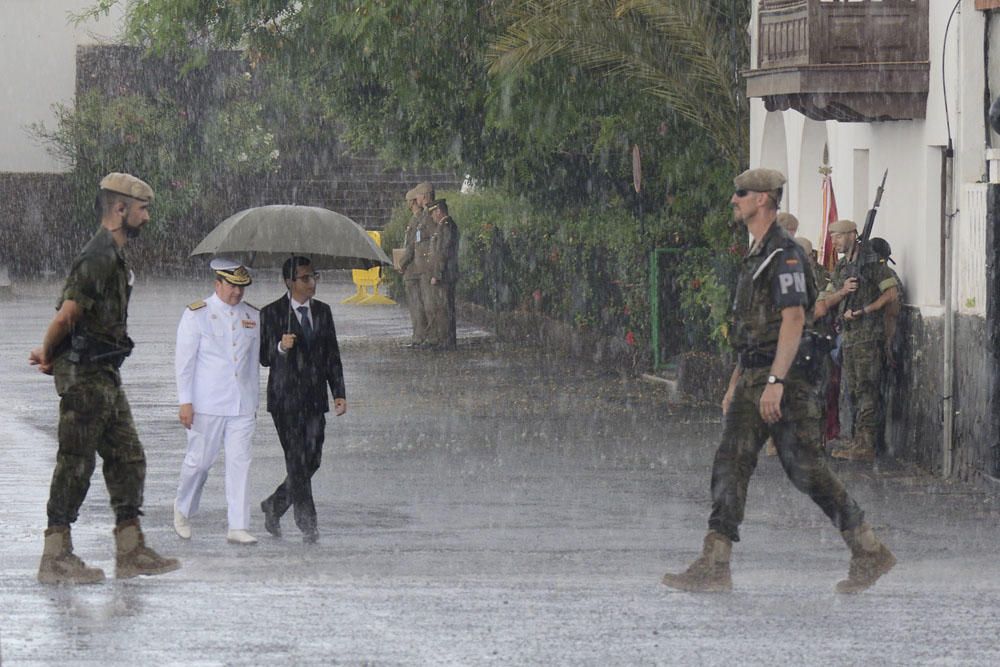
(231, 271)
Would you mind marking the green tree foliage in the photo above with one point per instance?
(185, 161)
(413, 81)
(682, 53)
(542, 100)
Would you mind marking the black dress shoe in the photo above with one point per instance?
(310, 536)
(272, 523)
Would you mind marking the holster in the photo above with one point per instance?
(85, 349)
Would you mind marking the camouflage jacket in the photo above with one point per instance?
(775, 275)
(875, 278)
(99, 282)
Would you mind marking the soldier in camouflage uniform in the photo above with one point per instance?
(83, 348)
(769, 394)
(863, 335)
(413, 264)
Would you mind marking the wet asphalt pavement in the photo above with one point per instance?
(480, 506)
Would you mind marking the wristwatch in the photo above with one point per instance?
(774, 379)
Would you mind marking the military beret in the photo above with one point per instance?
(411, 194)
(438, 203)
(760, 179)
(805, 243)
(424, 188)
(842, 226)
(128, 185)
(231, 271)
(788, 222)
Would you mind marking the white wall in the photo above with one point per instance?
(38, 69)
(910, 215)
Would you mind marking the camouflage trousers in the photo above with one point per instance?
(95, 418)
(862, 369)
(797, 439)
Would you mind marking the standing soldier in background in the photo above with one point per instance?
(863, 334)
(789, 223)
(769, 394)
(83, 348)
(883, 251)
(413, 263)
(443, 276)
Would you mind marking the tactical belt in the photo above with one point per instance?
(753, 359)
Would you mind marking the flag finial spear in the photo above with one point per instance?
(826, 169)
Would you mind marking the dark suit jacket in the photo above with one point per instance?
(298, 379)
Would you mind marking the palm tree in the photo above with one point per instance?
(686, 53)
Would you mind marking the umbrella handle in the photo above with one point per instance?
(290, 313)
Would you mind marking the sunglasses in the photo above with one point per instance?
(742, 193)
(308, 277)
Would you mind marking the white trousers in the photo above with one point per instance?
(206, 437)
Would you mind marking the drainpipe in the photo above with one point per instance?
(948, 381)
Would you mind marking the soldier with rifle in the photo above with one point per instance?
(864, 289)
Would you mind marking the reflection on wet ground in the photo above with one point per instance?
(486, 505)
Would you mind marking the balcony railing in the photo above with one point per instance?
(859, 60)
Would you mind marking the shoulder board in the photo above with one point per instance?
(247, 303)
(196, 305)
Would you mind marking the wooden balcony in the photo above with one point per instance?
(855, 61)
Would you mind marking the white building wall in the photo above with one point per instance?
(910, 215)
(38, 69)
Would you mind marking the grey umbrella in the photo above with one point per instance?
(266, 236)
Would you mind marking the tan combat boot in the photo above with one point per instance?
(870, 559)
(709, 573)
(60, 565)
(133, 557)
(858, 449)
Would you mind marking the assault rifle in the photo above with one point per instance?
(864, 254)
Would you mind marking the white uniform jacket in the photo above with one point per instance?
(217, 358)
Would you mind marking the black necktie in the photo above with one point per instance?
(307, 326)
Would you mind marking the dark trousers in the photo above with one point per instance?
(797, 439)
(301, 438)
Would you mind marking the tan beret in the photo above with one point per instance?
(805, 243)
(128, 185)
(788, 222)
(760, 179)
(411, 194)
(424, 188)
(842, 226)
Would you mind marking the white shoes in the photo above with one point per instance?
(240, 537)
(181, 525)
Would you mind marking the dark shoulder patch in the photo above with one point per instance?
(197, 305)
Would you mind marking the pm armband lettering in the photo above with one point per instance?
(790, 287)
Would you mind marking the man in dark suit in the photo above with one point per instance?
(299, 345)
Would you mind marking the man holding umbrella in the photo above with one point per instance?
(299, 345)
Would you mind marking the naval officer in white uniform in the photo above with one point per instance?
(218, 389)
